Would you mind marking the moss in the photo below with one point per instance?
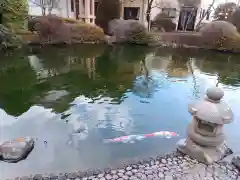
(71, 21)
(163, 21)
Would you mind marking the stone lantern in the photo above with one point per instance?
(205, 137)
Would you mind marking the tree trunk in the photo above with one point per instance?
(148, 16)
(43, 11)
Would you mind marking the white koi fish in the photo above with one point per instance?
(134, 138)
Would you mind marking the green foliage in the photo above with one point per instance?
(107, 10)
(53, 29)
(224, 11)
(162, 20)
(83, 32)
(14, 13)
(71, 21)
(235, 19)
(226, 43)
(8, 38)
(139, 35)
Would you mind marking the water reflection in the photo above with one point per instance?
(74, 98)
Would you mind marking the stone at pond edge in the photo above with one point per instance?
(16, 150)
(236, 162)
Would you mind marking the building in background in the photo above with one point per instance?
(130, 9)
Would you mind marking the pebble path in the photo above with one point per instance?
(170, 167)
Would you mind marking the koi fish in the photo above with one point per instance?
(134, 138)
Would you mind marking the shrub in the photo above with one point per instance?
(53, 29)
(162, 20)
(218, 29)
(32, 23)
(235, 19)
(83, 32)
(71, 21)
(224, 11)
(221, 35)
(138, 34)
(14, 12)
(23, 32)
(8, 38)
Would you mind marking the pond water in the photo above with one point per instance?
(112, 92)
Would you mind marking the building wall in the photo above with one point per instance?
(63, 10)
(136, 3)
(158, 4)
(142, 4)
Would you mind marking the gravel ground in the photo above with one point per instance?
(170, 167)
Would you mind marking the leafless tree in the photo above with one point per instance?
(148, 13)
(160, 4)
(210, 7)
(46, 5)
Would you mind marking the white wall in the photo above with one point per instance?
(163, 4)
(137, 3)
(64, 9)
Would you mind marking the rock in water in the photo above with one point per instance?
(236, 162)
(16, 149)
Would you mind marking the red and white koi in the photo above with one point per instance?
(134, 138)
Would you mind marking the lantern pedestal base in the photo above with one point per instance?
(207, 155)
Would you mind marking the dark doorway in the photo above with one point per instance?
(1, 18)
(187, 19)
(77, 9)
(131, 13)
(96, 6)
(72, 5)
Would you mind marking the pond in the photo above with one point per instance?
(111, 91)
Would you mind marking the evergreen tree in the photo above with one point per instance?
(107, 10)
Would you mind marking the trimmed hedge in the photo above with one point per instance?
(107, 10)
(83, 32)
(54, 29)
(139, 35)
(163, 21)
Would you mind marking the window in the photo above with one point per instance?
(209, 127)
(1, 18)
(208, 15)
(171, 12)
(72, 5)
(131, 13)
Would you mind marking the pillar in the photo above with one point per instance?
(87, 11)
(122, 10)
(93, 11)
(81, 10)
(67, 8)
(142, 13)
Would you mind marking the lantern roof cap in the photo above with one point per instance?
(212, 109)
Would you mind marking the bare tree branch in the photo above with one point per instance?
(208, 11)
(46, 5)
